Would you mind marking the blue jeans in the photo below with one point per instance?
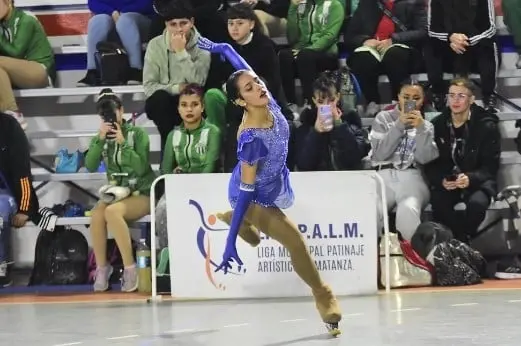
(7, 210)
(132, 28)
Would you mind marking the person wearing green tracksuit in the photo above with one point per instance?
(313, 31)
(195, 145)
(125, 150)
(192, 147)
(512, 18)
(26, 57)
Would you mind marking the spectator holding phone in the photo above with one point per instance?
(124, 149)
(329, 140)
(402, 141)
(468, 139)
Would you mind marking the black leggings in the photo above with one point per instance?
(306, 65)
(483, 57)
(396, 64)
(161, 108)
(476, 202)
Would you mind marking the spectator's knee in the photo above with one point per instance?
(100, 20)
(408, 216)
(124, 21)
(157, 99)
(114, 211)
(306, 56)
(97, 214)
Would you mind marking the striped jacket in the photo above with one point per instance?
(474, 18)
(15, 165)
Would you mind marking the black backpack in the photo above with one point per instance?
(112, 63)
(60, 258)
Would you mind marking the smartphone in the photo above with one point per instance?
(326, 115)
(451, 177)
(409, 106)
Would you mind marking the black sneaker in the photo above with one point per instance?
(91, 79)
(135, 76)
(491, 103)
(508, 272)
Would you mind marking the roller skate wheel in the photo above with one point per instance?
(332, 329)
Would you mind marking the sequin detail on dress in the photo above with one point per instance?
(269, 148)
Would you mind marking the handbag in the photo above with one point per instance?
(407, 268)
(66, 162)
(112, 63)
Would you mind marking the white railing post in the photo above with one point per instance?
(387, 255)
(153, 242)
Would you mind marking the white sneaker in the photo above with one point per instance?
(20, 117)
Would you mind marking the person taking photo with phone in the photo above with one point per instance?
(329, 140)
(124, 149)
(401, 142)
(469, 144)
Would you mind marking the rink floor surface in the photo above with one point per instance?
(486, 314)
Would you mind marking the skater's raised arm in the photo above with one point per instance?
(234, 58)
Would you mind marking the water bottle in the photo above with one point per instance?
(144, 271)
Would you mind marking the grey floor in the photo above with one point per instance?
(444, 318)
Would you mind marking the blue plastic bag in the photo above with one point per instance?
(66, 162)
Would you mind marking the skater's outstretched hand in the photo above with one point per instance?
(212, 47)
(230, 255)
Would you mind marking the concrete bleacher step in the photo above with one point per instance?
(81, 91)
(40, 175)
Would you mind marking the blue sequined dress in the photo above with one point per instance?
(269, 148)
(266, 147)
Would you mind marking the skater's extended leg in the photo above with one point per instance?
(275, 224)
(247, 231)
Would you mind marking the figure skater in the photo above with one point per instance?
(259, 187)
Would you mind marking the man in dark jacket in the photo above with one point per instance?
(339, 147)
(18, 201)
(461, 33)
(468, 141)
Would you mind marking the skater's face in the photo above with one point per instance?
(411, 93)
(252, 91)
(239, 29)
(190, 108)
(459, 98)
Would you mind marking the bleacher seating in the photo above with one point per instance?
(507, 158)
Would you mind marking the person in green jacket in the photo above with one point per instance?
(195, 145)
(192, 147)
(313, 29)
(124, 149)
(26, 57)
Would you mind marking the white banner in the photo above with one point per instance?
(335, 211)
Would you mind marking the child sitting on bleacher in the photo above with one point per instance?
(125, 150)
(26, 57)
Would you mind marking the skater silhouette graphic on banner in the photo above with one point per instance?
(204, 244)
